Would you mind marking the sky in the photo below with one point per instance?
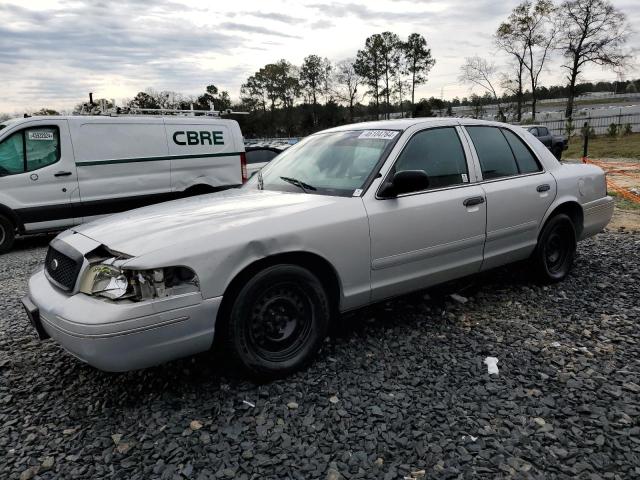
(53, 52)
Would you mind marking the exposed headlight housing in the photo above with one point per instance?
(114, 283)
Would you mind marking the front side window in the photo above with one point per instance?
(439, 153)
(12, 155)
(43, 146)
(494, 153)
(336, 163)
(42, 149)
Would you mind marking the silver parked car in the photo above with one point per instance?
(348, 217)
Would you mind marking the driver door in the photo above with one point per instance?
(39, 182)
(427, 237)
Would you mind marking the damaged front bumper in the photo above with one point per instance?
(121, 336)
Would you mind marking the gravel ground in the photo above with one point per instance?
(400, 391)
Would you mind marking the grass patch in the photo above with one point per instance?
(623, 203)
(606, 147)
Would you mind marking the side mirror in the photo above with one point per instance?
(406, 181)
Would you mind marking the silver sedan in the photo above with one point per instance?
(347, 217)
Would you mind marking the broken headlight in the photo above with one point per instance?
(114, 283)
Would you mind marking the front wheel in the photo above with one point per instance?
(7, 235)
(278, 321)
(554, 254)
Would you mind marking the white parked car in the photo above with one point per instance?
(59, 171)
(348, 217)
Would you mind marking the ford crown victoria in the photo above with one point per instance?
(347, 217)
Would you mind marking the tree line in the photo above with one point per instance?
(380, 81)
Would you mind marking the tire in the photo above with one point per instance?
(277, 321)
(7, 235)
(555, 252)
(557, 152)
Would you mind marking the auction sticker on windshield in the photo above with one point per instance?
(382, 134)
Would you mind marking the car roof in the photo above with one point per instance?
(405, 123)
(124, 118)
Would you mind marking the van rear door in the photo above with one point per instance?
(38, 178)
(203, 153)
(122, 163)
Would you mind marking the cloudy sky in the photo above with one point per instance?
(52, 52)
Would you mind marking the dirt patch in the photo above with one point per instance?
(624, 221)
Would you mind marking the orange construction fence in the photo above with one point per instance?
(616, 169)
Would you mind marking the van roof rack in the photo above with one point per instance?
(103, 108)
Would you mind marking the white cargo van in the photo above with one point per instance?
(60, 171)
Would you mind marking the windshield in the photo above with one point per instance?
(335, 163)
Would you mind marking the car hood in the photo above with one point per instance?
(146, 229)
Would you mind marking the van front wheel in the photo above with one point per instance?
(7, 235)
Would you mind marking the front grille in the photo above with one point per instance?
(62, 269)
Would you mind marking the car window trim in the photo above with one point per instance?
(481, 178)
(428, 190)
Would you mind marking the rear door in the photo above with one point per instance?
(204, 153)
(517, 189)
(122, 164)
(38, 177)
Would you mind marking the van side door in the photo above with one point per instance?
(204, 153)
(518, 191)
(122, 164)
(38, 177)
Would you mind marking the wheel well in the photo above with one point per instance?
(12, 217)
(574, 211)
(317, 265)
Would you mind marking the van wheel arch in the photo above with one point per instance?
(10, 215)
(199, 189)
(316, 264)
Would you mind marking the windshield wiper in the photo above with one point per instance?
(299, 183)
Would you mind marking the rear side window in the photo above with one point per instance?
(260, 156)
(525, 159)
(494, 153)
(542, 131)
(43, 147)
(11, 155)
(439, 153)
(533, 131)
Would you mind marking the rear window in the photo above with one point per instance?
(260, 156)
(494, 153)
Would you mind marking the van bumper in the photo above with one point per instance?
(597, 214)
(121, 337)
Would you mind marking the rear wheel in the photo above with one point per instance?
(554, 254)
(7, 235)
(278, 321)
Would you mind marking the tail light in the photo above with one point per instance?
(243, 167)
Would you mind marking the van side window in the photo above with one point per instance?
(12, 155)
(526, 161)
(439, 153)
(494, 153)
(43, 147)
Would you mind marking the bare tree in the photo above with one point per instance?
(591, 31)
(347, 80)
(478, 71)
(508, 39)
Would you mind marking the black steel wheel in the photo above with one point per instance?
(555, 252)
(278, 321)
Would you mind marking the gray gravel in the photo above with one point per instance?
(399, 391)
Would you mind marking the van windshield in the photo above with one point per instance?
(336, 163)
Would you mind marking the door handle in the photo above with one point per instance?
(543, 188)
(473, 201)
(62, 174)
